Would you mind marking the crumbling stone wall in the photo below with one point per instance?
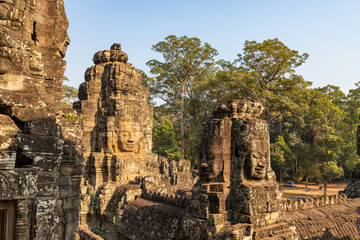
(40, 152)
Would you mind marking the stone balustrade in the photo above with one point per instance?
(175, 200)
(314, 202)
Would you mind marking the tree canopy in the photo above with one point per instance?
(187, 62)
(312, 131)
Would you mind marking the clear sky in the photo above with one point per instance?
(328, 30)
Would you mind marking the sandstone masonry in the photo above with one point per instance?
(117, 126)
(40, 151)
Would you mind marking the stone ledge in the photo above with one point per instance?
(87, 234)
(314, 202)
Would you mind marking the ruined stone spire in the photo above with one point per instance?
(113, 55)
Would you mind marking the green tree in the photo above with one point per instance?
(271, 64)
(330, 170)
(70, 94)
(187, 62)
(334, 94)
(349, 104)
(164, 141)
(281, 157)
(310, 169)
(326, 121)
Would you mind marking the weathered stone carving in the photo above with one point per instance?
(117, 119)
(40, 152)
(236, 182)
(117, 124)
(214, 163)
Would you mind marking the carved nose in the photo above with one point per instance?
(261, 164)
(131, 139)
(204, 165)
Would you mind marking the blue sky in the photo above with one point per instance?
(328, 30)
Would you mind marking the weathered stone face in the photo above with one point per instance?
(236, 182)
(117, 118)
(128, 139)
(251, 149)
(215, 150)
(250, 142)
(256, 161)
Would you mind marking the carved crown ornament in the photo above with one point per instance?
(113, 55)
(239, 109)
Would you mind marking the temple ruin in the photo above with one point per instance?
(94, 176)
(117, 125)
(40, 151)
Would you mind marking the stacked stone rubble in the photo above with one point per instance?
(40, 152)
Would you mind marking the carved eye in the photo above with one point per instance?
(256, 155)
(211, 156)
(124, 134)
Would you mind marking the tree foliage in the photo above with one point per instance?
(312, 131)
(281, 156)
(164, 141)
(187, 63)
(70, 95)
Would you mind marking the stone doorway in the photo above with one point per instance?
(7, 220)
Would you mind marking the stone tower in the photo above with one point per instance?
(117, 125)
(117, 119)
(40, 151)
(236, 196)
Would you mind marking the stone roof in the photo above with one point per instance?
(331, 222)
(145, 219)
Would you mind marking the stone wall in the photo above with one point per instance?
(40, 152)
(175, 200)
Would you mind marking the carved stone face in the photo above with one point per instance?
(128, 139)
(256, 160)
(211, 159)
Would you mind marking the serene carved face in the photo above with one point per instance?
(257, 160)
(211, 159)
(127, 139)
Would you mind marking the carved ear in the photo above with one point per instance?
(247, 165)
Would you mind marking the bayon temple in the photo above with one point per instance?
(95, 176)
